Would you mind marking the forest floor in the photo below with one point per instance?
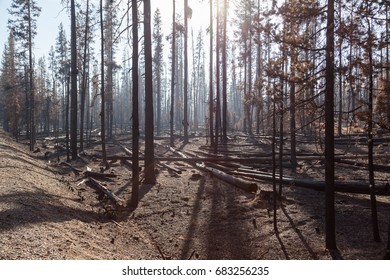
(48, 211)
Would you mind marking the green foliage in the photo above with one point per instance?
(21, 21)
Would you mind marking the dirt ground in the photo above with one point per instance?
(47, 211)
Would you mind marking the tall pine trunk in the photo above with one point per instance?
(31, 81)
(84, 81)
(218, 79)
(73, 73)
(135, 116)
(185, 119)
(330, 223)
(149, 118)
(374, 211)
(102, 93)
(211, 97)
(172, 139)
(224, 76)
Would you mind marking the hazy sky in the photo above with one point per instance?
(53, 14)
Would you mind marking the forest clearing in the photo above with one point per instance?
(49, 211)
(220, 129)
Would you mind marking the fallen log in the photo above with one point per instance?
(218, 166)
(177, 152)
(106, 191)
(126, 150)
(344, 187)
(237, 182)
(377, 167)
(170, 168)
(75, 170)
(99, 175)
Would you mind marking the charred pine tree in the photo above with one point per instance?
(185, 119)
(211, 95)
(83, 90)
(135, 115)
(149, 116)
(158, 64)
(224, 75)
(73, 74)
(330, 223)
(374, 211)
(217, 82)
(102, 93)
(171, 121)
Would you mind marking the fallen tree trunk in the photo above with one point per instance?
(75, 170)
(170, 168)
(99, 175)
(106, 191)
(126, 150)
(377, 167)
(345, 187)
(237, 182)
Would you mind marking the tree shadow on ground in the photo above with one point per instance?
(185, 253)
(39, 207)
(228, 234)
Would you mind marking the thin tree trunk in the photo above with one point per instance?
(293, 147)
(211, 97)
(274, 163)
(149, 118)
(330, 224)
(374, 211)
(172, 139)
(73, 73)
(67, 114)
(31, 82)
(224, 76)
(218, 79)
(103, 101)
(281, 137)
(185, 119)
(135, 116)
(84, 81)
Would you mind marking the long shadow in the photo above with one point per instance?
(353, 210)
(5, 147)
(26, 169)
(299, 233)
(16, 158)
(123, 188)
(194, 220)
(37, 207)
(228, 235)
(286, 255)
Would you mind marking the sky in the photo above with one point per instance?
(53, 14)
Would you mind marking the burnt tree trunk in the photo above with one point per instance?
(330, 223)
(149, 116)
(171, 121)
(135, 116)
(102, 113)
(374, 211)
(73, 73)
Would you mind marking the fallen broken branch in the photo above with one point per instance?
(345, 187)
(99, 175)
(76, 170)
(126, 150)
(377, 167)
(170, 168)
(106, 191)
(238, 182)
